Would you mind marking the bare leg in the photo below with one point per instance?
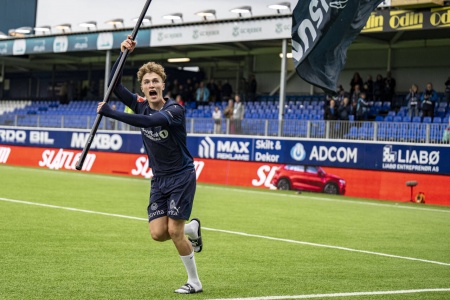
(159, 229)
(176, 233)
(163, 229)
(184, 247)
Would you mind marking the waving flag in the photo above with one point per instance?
(322, 31)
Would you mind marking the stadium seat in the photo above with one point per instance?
(377, 105)
(273, 127)
(352, 133)
(440, 112)
(417, 119)
(392, 113)
(388, 118)
(401, 113)
(386, 105)
(317, 129)
(382, 134)
(437, 120)
(406, 119)
(426, 120)
(403, 134)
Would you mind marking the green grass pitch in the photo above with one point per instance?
(87, 238)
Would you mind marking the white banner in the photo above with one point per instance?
(269, 29)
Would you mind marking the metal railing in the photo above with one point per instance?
(407, 132)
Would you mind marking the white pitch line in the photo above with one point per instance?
(234, 232)
(72, 209)
(335, 295)
(313, 198)
(327, 246)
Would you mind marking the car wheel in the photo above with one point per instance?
(331, 188)
(284, 184)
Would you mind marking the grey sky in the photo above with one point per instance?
(54, 12)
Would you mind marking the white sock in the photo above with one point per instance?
(191, 230)
(191, 269)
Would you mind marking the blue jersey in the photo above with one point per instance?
(163, 132)
(166, 144)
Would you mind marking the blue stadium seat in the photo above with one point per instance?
(318, 129)
(392, 113)
(426, 120)
(392, 133)
(386, 105)
(388, 118)
(440, 112)
(406, 119)
(443, 105)
(378, 104)
(401, 113)
(437, 120)
(417, 119)
(382, 131)
(352, 133)
(421, 136)
(273, 128)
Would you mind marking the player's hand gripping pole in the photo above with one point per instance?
(111, 88)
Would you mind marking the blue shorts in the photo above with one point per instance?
(172, 196)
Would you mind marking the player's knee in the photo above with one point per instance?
(175, 233)
(159, 236)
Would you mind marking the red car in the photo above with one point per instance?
(307, 178)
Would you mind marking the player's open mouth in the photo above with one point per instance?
(153, 93)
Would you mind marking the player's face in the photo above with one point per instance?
(152, 86)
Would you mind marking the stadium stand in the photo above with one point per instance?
(303, 117)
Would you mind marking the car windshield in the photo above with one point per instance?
(295, 168)
(319, 169)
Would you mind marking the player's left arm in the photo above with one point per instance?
(137, 120)
(173, 114)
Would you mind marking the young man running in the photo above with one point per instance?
(163, 129)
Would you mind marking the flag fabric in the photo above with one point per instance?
(322, 31)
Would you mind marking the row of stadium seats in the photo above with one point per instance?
(405, 132)
(407, 119)
(299, 109)
(383, 131)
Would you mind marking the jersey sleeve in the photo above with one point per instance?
(174, 114)
(137, 120)
(122, 93)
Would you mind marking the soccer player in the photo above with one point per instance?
(162, 122)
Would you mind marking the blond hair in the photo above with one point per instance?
(149, 68)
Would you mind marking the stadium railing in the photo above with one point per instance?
(407, 132)
(262, 121)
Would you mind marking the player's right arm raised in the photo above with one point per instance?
(124, 95)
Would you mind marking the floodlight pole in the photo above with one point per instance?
(282, 85)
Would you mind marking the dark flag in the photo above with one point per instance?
(322, 31)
